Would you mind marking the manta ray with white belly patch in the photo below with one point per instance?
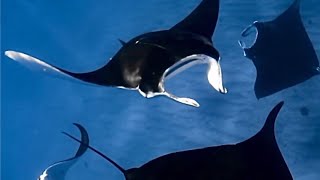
(144, 62)
(257, 158)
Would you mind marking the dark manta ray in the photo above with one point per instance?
(282, 53)
(147, 60)
(58, 170)
(258, 158)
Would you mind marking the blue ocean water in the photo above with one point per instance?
(82, 35)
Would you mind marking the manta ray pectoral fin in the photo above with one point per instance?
(34, 64)
(58, 170)
(202, 20)
(38, 65)
(183, 100)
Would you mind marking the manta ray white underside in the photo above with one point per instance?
(214, 73)
(57, 170)
(38, 65)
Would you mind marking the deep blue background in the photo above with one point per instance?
(82, 35)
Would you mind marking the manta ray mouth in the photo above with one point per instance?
(214, 75)
(247, 32)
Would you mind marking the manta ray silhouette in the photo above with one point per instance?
(259, 157)
(282, 53)
(58, 170)
(147, 60)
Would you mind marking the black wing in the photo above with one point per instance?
(202, 20)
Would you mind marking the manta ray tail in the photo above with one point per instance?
(39, 65)
(269, 125)
(98, 152)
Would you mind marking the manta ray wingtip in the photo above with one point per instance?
(7, 52)
(280, 104)
(10, 54)
(93, 149)
(78, 125)
(296, 3)
(59, 169)
(271, 119)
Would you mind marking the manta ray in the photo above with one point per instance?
(147, 60)
(282, 53)
(258, 157)
(58, 170)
